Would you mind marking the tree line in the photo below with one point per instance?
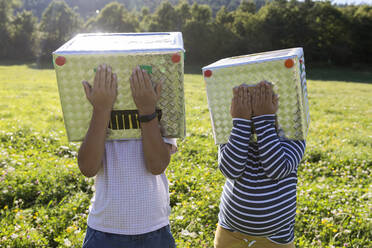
(87, 8)
(329, 34)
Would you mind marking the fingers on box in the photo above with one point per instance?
(256, 95)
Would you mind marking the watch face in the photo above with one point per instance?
(146, 118)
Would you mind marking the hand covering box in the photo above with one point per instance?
(284, 68)
(160, 54)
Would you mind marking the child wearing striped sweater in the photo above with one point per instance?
(258, 202)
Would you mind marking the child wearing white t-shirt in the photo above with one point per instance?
(130, 207)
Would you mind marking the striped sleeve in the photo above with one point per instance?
(278, 157)
(232, 156)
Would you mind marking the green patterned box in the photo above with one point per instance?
(161, 54)
(284, 68)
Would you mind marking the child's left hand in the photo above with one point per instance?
(144, 94)
(264, 101)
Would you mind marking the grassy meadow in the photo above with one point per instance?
(44, 199)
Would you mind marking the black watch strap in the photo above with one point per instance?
(147, 118)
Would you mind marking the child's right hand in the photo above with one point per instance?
(103, 93)
(241, 103)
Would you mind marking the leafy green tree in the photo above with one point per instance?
(361, 33)
(278, 20)
(329, 34)
(114, 17)
(198, 34)
(247, 6)
(164, 19)
(201, 13)
(247, 27)
(215, 5)
(6, 17)
(145, 11)
(36, 6)
(224, 17)
(144, 19)
(169, 18)
(58, 24)
(151, 4)
(24, 35)
(225, 40)
(183, 11)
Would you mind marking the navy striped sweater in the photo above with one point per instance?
(259, 196)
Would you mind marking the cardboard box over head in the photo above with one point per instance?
(160, 54)
(285, 69)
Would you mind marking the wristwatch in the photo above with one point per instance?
(147, 118)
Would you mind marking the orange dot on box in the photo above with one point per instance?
(60, 60)
(289, 63)
(176, 58)
(208, 73)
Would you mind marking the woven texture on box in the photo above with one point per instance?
(306, 109)
(77, 110)
(293, 107)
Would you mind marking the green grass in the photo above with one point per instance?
(44, 199)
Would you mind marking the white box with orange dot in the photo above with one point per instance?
(284, 68)
(160, 54)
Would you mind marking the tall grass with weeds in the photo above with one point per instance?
(44, 199)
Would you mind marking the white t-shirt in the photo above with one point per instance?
(128, 199)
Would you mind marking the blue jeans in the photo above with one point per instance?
(161, 238)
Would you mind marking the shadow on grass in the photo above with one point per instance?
(344, 74)
(32, 64)
(41, 66)
(193, 69)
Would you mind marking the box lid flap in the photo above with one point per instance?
(256, 58)
(122, 42)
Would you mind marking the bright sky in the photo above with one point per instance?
(349, 1)
(352, 1)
